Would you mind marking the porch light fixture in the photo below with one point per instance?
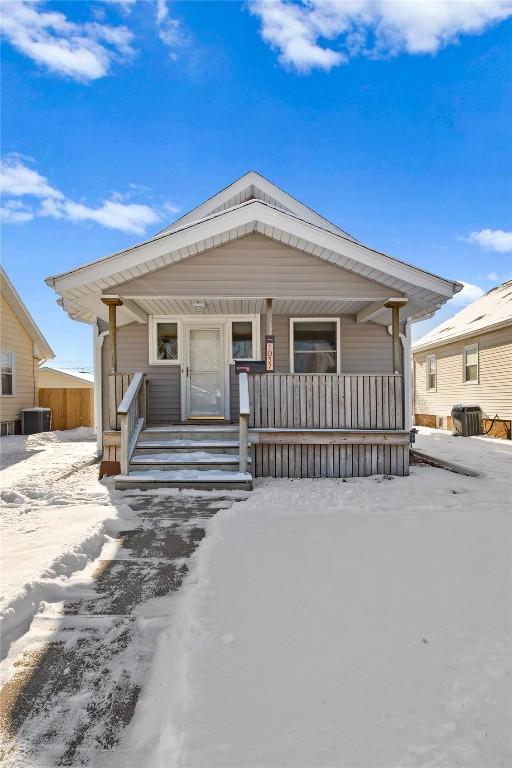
(198, 306)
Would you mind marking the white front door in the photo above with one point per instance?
(205, 374)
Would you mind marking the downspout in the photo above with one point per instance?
(405, 339)
(98, 338)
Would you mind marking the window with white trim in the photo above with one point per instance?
(7, 370)
(165, 341)
(314, 345)
(470, 364)
(243, 339)
(431, 372)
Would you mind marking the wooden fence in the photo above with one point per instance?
(71, 407)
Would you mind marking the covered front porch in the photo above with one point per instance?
(308, 413)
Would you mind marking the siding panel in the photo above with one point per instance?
(13, 338)
(253, 266)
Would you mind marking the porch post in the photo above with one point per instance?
(112, 304)
(395, 325)
(268, 311)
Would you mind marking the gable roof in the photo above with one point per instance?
(491, 311)
(42, 349)
(279, 217)
(253, 186)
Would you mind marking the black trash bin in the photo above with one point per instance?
(467, 420)
(35, 420)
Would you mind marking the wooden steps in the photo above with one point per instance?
(186, 456)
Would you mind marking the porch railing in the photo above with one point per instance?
(131, 413)
(244, 420)
(330, 401)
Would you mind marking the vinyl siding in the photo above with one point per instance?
(164, 400)
(254, 266)
(493, 393)
(13, 338)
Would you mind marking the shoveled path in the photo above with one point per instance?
(75, 686)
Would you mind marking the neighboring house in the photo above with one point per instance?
(57, 378)
(172, 314)
(468, 359)
(23, 348)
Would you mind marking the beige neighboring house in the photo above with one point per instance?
(23, 349)
(468, 360)
(57, 378)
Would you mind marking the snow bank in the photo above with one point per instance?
(358, 623)
(53, 520)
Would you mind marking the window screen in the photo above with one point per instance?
(167, 341)
(241, 340)
(7, 373)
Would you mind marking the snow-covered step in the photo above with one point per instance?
(190, 432)
(205, 479)
(179, 444)
(185, 460)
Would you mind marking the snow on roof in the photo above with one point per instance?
(74, 374)
(492, 309)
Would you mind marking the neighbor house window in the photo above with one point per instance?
(431, 372)
(166, 342)
(470, 355)
(7, 364)
(242, 344)
(314, 345)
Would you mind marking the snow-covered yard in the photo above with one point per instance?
(359, 623)
(53, 510)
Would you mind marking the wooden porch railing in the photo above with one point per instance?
(244, 420)
(131, 413)
(330, 401)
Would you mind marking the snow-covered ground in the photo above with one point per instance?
(52, 520)
(359, 623)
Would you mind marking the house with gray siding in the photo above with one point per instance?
(252, 337)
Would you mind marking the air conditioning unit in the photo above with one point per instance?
(467, 420)
(35, 420)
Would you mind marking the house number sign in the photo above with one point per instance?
(269, 353)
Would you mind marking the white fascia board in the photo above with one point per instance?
(12, 297)
(251, 212)
(472, 333)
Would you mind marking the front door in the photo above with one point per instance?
(205, 372)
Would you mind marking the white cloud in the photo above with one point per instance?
(169, 28)
(300, 31)
(82, 52)
(468, 294)
(118, 212)
(18, 179)
(492, 240)
(127, 217)
(15, 212)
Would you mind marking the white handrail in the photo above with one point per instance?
(131, 393)
(131, 412)
(245, 410)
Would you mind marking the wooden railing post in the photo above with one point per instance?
(112, 303)
(123, 420)
(244, 422)
(395, 327)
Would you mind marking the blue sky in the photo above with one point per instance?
(395, 125)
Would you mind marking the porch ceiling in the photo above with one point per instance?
(166, 305)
